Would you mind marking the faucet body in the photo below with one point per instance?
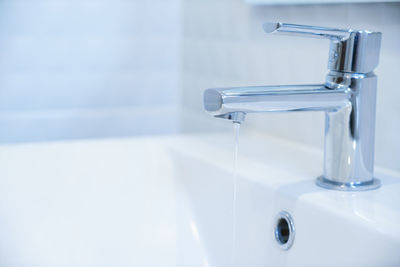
(348, 99)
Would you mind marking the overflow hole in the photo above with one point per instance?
(284, 230)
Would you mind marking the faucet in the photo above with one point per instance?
(348, 98)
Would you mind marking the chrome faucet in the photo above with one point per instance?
(348, 99)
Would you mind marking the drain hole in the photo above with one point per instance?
(283, 231)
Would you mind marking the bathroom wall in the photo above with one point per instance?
(88, 68)
(104, 68)
(224, 45)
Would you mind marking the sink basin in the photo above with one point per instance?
(167, 201)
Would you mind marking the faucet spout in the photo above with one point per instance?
(223, 101)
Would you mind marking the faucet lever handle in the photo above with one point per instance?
(351, 51)
(304, 30)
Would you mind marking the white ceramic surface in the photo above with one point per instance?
(167, 201)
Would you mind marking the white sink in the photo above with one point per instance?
(167, 201)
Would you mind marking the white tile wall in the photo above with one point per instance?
(95, 68)
(104, 56)
(223, 45)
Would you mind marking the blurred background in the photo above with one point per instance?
(73, 69)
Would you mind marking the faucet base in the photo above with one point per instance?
(363, 186)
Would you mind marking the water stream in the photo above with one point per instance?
(236, 127)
